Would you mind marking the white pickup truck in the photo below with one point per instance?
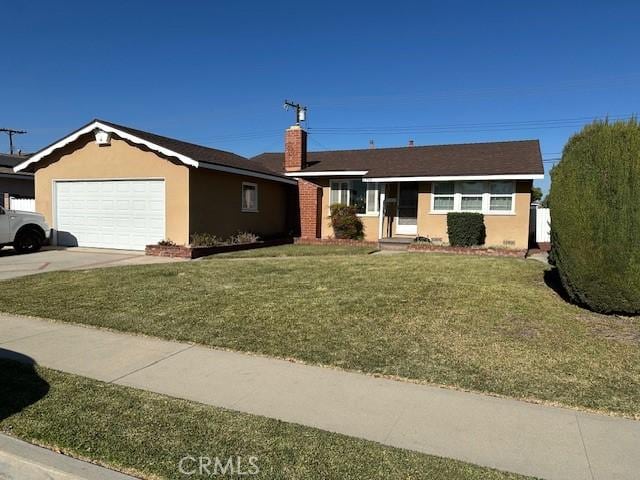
(25, 231)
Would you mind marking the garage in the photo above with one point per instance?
(120, 214)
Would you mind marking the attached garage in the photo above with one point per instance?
(122, 214)
(111, 186)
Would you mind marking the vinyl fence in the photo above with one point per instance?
(543, 225)
(24, 204)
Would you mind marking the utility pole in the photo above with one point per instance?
(301, 112)
(11, 132)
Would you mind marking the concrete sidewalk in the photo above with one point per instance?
(22, 461)
(548, 442)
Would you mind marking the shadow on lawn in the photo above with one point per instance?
(20, 384)
(552, 280)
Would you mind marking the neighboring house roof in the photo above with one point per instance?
(512, 158)
(188, 153)
(8, 162)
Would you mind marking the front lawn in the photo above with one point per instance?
(147, 434)
(480, 323)
(299, 251)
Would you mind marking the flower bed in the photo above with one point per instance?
(487, 251)
(182, 251)
(334, 241)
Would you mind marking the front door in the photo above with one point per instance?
(407, 219)
(5, 227)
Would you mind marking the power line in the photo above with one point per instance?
(465, 127)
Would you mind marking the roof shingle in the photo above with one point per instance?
(494, 158)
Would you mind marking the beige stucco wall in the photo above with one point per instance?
(84, 160)
(216, 204)
(370, 222)
(500, 228)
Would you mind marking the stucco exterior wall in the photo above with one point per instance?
(216, 204)
(369, 222)
(501, 229)
(84, 160)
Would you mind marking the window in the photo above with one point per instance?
(443, 196)
(496, 197)
(501, 196)
(249, 197)
(363, 196)
(471, 196)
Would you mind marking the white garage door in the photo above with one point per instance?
(125, 214)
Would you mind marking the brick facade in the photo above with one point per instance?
(295, 149)
(310, 200)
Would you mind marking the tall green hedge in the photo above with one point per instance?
(465, 229)
(595, 217)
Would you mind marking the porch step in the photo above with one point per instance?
(395, 243)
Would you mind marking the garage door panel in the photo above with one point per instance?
(127, 214)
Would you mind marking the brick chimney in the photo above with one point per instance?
(295, 149)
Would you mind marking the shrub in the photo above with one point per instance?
(243, 237)
(167, 243)
(206, 240)
(345, 222)
(465, 229)
(595, 217)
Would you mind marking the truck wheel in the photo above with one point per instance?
(27, 241)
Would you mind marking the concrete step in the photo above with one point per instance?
(395, 243)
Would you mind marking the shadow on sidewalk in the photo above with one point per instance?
(20, 383)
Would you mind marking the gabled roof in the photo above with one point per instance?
(188, 153)
(517, 159)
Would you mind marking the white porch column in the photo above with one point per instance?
(382, 188)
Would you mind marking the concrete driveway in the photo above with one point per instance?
(50, 259)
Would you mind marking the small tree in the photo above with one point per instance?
(536, 194)
(345, 222)
(465, 229)
(595, 217)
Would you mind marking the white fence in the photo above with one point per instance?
(24, 204)
(543, 225)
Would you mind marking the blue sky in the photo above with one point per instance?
(216, 73)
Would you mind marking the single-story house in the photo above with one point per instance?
(14, 184)
(408, 191)
(110, 186)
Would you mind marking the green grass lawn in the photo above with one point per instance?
(480, 323)
(147, 434)
(299, 251)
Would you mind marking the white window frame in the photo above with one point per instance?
(253, 209)
(486, 199)
(369, 186)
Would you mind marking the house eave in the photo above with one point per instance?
(447, 178)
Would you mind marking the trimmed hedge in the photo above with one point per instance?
(466, 229)
(345, 222)
(595, 217)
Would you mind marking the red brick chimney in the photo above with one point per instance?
(295, 149)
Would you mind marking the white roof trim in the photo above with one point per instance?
(92, 126)
(152, 146)
(248, 173)
(337, 173)
(446, 178)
